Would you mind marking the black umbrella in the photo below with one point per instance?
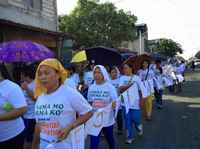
(104, 56)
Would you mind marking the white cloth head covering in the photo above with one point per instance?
(103, 71)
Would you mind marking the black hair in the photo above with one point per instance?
(113, 68)
(70, 67)
(128, 64)
(29, 71)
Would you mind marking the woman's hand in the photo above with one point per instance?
(36, 137)
(142, 101)
(124, 88)
(64, 133)
(13, 114)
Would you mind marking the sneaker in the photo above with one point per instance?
(159, 106)
(140, 133)
(129, 141)
(102, 135)
(140, 130)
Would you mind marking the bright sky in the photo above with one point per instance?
(175, 19)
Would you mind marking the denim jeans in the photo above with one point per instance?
(134, 117)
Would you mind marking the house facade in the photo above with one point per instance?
(34, 20)
(140, 44)
(36, 13)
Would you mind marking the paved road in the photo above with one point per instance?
(177, 126)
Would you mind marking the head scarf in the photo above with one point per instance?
(54, 64)
(103, 71)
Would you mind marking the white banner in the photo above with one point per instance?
(125, 100)
(99, 119)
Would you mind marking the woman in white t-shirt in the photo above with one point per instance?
(147, 75)
(115, 78)
(88, 76)
(88, 79)
(56, 107)
(102, 94)
(71, 81)
(158, 85)
(28, 85)
(12, 107)
(135, 99)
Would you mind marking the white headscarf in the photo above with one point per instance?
(103, 71)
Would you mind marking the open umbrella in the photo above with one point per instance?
(139, 60)
(79, 57)
(23, 51)
(136, 61)
(101, 55)
(130, 60)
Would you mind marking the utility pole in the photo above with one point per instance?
(140, 42)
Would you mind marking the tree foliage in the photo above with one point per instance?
(197, 55)
(168, 47)
(93, 24)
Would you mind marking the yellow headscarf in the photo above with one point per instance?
(55, 64)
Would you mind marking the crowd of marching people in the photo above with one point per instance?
(57, 108)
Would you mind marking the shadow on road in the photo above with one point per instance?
(177, 126)
(190, 89)
(174, 127)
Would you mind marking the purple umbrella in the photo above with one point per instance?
(23, 51)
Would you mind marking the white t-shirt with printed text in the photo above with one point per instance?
(103, 94)
(137, 87)
(88, 78)
(115, 83)
(147, 77)
(56, 111)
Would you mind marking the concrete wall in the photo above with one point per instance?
(135, 45)
(18, 11)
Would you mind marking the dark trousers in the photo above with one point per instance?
(120, 120)
(158, 96)
(171, 89)
(108, 132)
(14, 143)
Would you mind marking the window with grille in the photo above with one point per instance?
(29, 3)
(37, 4)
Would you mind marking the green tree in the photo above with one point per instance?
(167, 47)
(93, 23)
(197, 55)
